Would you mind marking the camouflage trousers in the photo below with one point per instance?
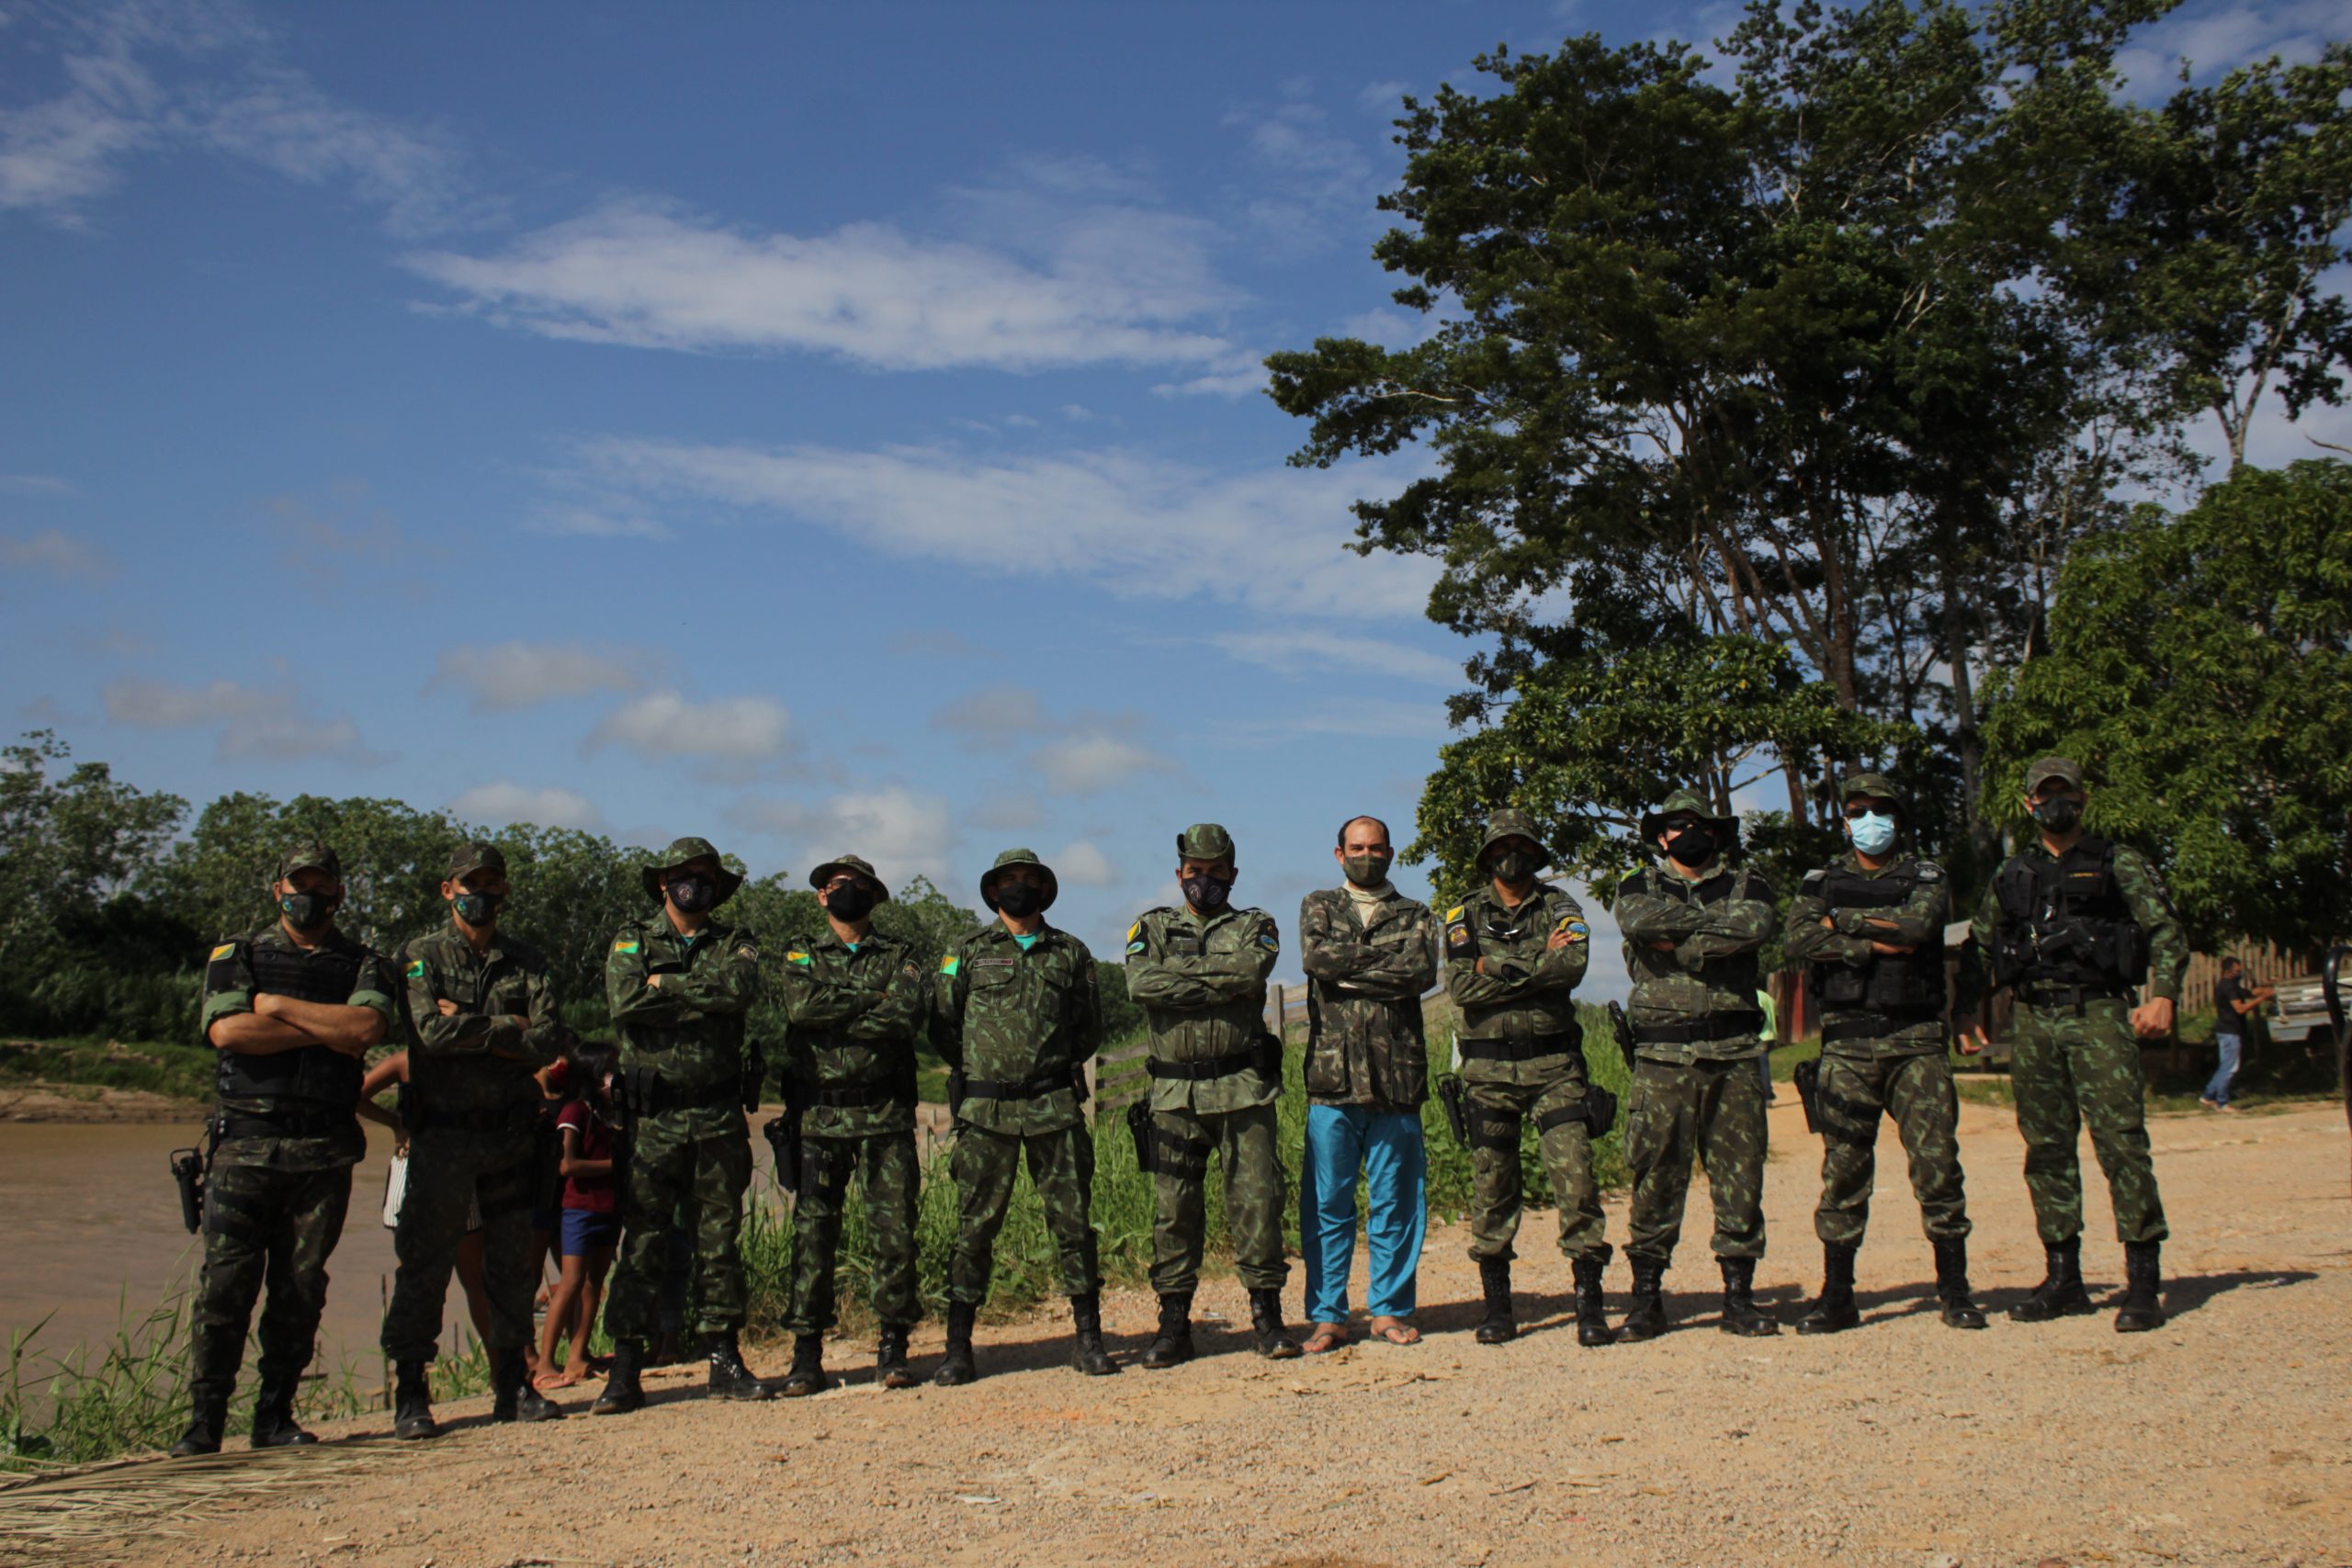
(885, 1167)
(1711, 1111)
(264, 1225)
(702, 1161)
(451, 1172)
(1493, 1112)
(1061, 1167)
(2068, 1068)
(1916, 1091)
(1254, 1196)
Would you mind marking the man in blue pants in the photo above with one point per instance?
(1369, 953)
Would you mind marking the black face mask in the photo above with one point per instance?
(1206, 894)
(479, 909)
(1019, 899)
(693, 895)
(307, 911)
(1366, 871)
(1514, 866)
(850, 903)
(2059, 813)
(1694, 846)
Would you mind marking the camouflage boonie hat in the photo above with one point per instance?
(1871, 786)
(1205, 840)
(475, 855)
(1687, 802)
(1018, 857)
(2049, 767)
(311, 856)
(1507, 824)
(680, 852)
(856, 866)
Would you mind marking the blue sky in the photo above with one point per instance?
(818, 428)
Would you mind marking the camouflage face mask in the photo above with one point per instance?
(1366, 871)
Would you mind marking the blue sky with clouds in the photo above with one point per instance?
(819, 428)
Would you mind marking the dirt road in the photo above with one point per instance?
(2220, 1439)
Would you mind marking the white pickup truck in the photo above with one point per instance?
(2298, 1012)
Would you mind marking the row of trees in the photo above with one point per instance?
(1785, 421)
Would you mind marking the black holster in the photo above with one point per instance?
(1600, 1110)
(1806, 1076)
(955, 1092)
(783, 1134)
(1139, 1129)
(189, 1169)
(1449, 1097)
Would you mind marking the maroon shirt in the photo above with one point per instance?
(598, 1194)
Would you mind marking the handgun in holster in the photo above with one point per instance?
(190, 1168)
(1806, 1076)
(1139, 1129)
(955, 1092)
(1449, 1096)
(783, 1134)
(1600, 1111)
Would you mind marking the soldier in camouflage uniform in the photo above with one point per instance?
(1017, 1016)
(679, 983)
(481, 1020)
(1199, 973)
(855, 1002)
(1515, 951)
(291, 1009)
(2074, 923)
(1368, 953)
(1870, 927)
(1692, 927)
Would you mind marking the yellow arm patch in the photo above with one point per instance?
(416, 969)
(795, 955)
(624, 947)
(949, 964)
(224, 951)
(1454, 914)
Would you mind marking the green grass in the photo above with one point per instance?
(181, 1072)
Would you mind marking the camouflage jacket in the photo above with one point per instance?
(690, 1028)
(229, 987)
(506, 1029)
(853, 1018)
(1365, 982)
(1010, 1016)
(1918, 922)
(1525, 991)
(2144, 893)
(1716, 922)
(1201, 984)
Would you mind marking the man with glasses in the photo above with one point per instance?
(1869, 928)
(2074, 924)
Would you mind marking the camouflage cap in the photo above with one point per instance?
(474, 855)
(312, 856)
(1205, 840)
(681, 851)
(855, 865)
(2062, 768)
(1010, 859)
(1685, 802)
(1871, 786)
(1508, 824)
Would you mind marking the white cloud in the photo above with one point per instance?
(586, 522)
(1119, 288)
(510, 676)
(1317, 186)
(994, 717)
(1291, 651)
(505, 802)
(904, 832)
(52, 549)
(2216, 40)
(1081, 864)
(1136, 527)
(35, 484)
(663, 724)
(253, 723)
(1087, 763)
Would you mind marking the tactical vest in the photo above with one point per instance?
(1741, 972)
(318, 1075)
(2066, 922)
(1896, 983)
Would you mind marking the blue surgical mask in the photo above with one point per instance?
(1874, 834)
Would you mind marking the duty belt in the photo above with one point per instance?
(857, 1096)
(1717, 1026)
(726, 1095)
(1517, 1050)
(2070, 996)
(238, 1123)
(1877, 1026)
(1208, 1067)
(1034, 1089)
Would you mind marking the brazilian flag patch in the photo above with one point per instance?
(949, 964)
(222, 951)
(794, 955)
(416, 969)
(624, 947)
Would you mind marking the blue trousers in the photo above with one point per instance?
(1340, 1140)
(2218, 1088)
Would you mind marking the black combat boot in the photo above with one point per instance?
(1274, 1342)
(2141, 1307)
(1645, 1319)
(622, 1392)
(1960, 1309)
(512, 1397)
(1832, 1311)
(1173, 1346)
(207, 1416)
(2061, 1293)
(957, 1368)
(413, 1402)
(1087, 1354)
(1592, 1315)
(730, 1378)
(1494, 1283)
(274, 1423)
(806, 1375)
(1741, 1315)
(891, 1357)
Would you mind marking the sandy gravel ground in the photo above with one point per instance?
(2221, 1438)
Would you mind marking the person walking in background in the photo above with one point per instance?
(1368, 953)
(2233, 1004)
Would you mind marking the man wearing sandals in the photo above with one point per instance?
(1368, 953)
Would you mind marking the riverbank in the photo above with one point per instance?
(103, 1081)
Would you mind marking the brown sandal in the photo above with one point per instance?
(1328, 1337)
(1396, 1331)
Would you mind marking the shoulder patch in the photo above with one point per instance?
(1135, 930)
(748, 950)
(1815, 877)
(1928, 871)
(912, 971)
(625, 945)
(794, 955)
(1576, 929)
(222, 951)
(1270, 938)
(1454, 913)
(950, 964)
(1135, 947)
(416, 969)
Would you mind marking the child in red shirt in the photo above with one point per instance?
(592, 1219)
